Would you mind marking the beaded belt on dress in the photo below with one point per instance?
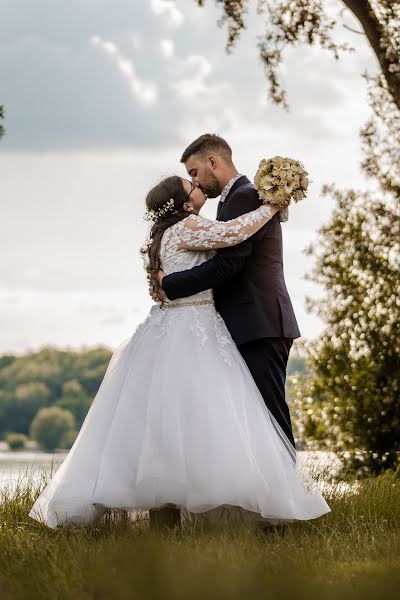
(194, 303)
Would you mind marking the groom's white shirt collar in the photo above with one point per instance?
(228, 186)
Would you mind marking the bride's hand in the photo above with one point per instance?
(158, 295)
(160, 276)
(153, 292)
(282, 206)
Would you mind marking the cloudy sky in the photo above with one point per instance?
(101, 98)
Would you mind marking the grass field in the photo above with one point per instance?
(352, 552)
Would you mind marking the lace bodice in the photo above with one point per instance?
(173, 260)
(194, 240)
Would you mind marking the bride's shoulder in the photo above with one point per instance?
(194, 221)
(175, 229)
(184, 226)
(192, 217)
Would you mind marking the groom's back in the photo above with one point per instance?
(255, 303)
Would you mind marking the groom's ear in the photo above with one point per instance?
(212, 161)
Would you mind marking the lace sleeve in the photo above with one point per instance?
(198, 233)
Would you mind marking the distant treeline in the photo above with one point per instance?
(68, 380)
(48, 378)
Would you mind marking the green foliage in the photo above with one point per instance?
(51, 426)
(68, 439)
(48, 377)
(6, 360)
(296, 364)
(75, 399)
(351, 400)
(18, 407)
(92, 376)
(380, 138)
(16, 441)
(54, 367)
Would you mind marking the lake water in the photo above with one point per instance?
(18, 466)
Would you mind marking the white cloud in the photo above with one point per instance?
(145, 92)
(79, 100)
(204, 100)
(136, 41)
(191, 79)
(167, 48)
(39, 318)
(174, 15)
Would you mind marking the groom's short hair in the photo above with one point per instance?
(206, 143)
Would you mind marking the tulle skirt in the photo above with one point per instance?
(179, 420)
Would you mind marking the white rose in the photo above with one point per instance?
(266, 180)
(279, 197)
(288, 187)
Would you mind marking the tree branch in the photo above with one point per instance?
(369, 21)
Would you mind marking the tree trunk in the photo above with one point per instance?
(363, 11)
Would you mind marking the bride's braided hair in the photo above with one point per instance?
(156, 200)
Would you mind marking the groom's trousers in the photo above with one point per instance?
(267, 360)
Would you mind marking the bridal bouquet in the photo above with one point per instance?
(281, 179)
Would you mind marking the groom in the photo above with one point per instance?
(247, 279)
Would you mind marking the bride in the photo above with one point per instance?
(178, 419)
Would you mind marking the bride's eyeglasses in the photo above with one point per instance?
(194, 185)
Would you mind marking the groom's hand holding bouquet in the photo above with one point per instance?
(280, 180)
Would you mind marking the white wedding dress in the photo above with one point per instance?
(178, 418)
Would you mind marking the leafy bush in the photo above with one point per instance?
(51, 425)
(68, 439)
(16, 441)
(19, 406)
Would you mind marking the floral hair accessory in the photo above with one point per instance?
(154, 215)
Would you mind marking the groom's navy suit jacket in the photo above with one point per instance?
(247, 279)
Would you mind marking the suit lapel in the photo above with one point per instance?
(219, 209)
(221, 205)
